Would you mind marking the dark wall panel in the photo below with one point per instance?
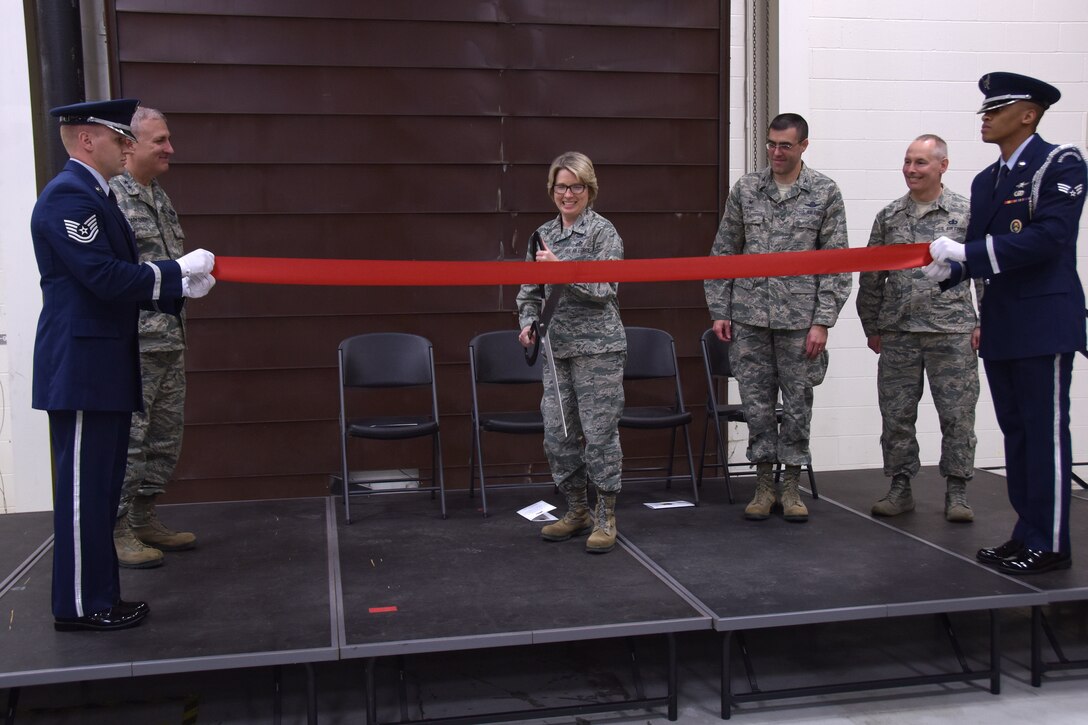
(412, 129)
(250, 40)
(556, 12)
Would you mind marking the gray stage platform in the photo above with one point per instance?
(994, 519)
(21, 540)
(261, 576)
(287, 583)
(752, 574)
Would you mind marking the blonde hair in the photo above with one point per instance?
(577, 164)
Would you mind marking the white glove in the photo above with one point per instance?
(938, 271)
(197, 285)
(944, 249)
(199, 262)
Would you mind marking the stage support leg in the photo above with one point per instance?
(673, 685)
(955, 642)
(995, 652)
(311, 694)
(277, 695)
(13, 705)
(1036, 646)
(727, 677)
(636, 671)
(371, 696)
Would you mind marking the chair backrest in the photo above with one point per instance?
(716, 355)
(385, 360)
(651, 353)
(498, 357)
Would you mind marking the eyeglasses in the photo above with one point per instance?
(575, 189)
(784, 146)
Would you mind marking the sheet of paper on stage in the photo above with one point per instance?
(538, 512)
(668, 504)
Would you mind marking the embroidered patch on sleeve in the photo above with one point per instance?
(82, 232)
(1073, 191)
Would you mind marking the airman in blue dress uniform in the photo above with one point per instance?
(86, 359)
(1022, 240)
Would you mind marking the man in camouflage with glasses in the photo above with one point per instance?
(778, 325)
(916, 329)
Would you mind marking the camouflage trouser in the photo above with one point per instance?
(591, 388)
(154, 442)
(765, 361)
(952, 368)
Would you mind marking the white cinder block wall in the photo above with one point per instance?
(25, 479)
(869, 76)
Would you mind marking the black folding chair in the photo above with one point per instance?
(497, 359)
(388, 360)
(651, 355)
(716, 364)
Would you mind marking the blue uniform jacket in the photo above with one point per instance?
(86, 354)
(1022, 239)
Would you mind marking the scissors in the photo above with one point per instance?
(540, 332)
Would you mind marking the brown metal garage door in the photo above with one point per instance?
(410, 129)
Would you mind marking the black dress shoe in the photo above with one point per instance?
(1033, 561)
(996, 554)
(139, 607)
(116, 617)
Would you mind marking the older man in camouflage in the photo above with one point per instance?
(155, 437)
(778, 325)
(916, 329)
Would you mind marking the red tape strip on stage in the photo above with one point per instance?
(400, 273)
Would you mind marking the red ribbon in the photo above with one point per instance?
(401, 273)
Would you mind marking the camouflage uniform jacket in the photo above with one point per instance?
(587, 320)
(158, 236)
(757, 221)
(906, 300)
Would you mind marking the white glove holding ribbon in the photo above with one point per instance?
(200, 261)
(197, 285)
(938, 271)
(944, 249)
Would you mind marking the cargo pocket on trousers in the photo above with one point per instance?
(817, 369)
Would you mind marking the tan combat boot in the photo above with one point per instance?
(603, 538)
(131, 552)
(576, 522)
(759, 508)
(793, 509)
(145, 524)
(955, 502)
(898, 499)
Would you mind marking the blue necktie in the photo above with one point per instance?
(1002, 174)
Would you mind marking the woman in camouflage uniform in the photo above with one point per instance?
(590, 350)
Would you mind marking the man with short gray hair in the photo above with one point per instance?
(916, 330)
(155, 437)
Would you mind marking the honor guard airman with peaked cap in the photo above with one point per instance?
(1022, 240)
(86, 359)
